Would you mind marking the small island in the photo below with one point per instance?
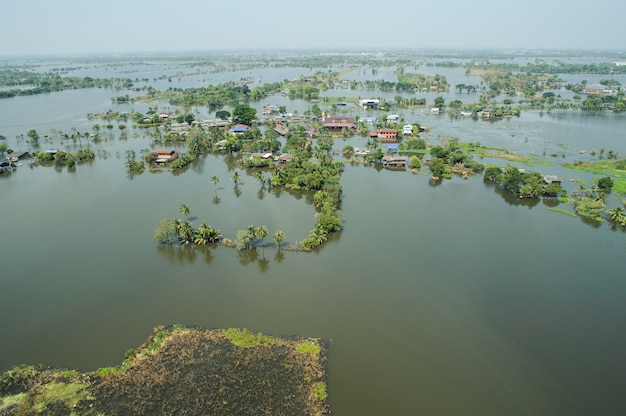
(182, 370)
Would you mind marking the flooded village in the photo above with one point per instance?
(404, 228)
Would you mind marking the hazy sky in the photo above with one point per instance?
(89, 26)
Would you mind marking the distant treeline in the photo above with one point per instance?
(542, 67)
(52, 82)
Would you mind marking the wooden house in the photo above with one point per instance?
(387, 135)
(284, 158)
(166, 155)
(394, 161)
(339, 123)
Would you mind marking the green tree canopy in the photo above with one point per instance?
(243, 114)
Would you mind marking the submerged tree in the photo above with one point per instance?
(165, 232)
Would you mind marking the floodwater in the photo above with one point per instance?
(444, 298)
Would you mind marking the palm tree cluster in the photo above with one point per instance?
(178, 231)
(247, 238)
(617, 215)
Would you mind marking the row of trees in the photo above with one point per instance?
(182, 231)
(52, 82)
(588, 202)
(525, 185)
(60, 157)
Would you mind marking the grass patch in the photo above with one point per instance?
(601, 167)
(619, 186)
(506, 156)
(562, 211)
(15, 399)
(159, 338)
(501, 153)
(153, 346)
(246, 338)
(412, 152)
(319, 391)
(308, 348)
(68, 394)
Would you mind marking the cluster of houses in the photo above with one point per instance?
(7, 164)
(387, 135)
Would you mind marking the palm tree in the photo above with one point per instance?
(214, 181)
(279, 237)
(260, 233)
(616, 214)
(318, 236)
(186, 232)
(201, 236)
(184, 210)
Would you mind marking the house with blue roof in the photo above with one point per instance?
(239, 129)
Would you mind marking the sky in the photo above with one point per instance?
(45, 27)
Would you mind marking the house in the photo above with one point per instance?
(368, 120)
(361, 151)
(15, 156)
(486, 113)
(387, 135)
(548, 179)
(338, 123)
(239, 129)
(270, 109)
(311, 132)
(264, 156)
(284, 158)
(166, 155)
(371, 103)
(407, 130)
(221, 145)
(392, 148)
(393, 117)
(280, 129)
(394, 161)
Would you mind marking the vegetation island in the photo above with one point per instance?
(184, 371)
